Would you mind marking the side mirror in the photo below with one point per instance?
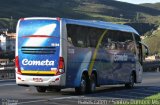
(146, 51)
(146, 48)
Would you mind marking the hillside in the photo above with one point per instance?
(87, 9)
(107, 10)
(154, 6)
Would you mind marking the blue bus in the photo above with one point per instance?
(56, 53)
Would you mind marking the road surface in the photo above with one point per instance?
(12, 94)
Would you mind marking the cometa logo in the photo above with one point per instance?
(37, 63)
(120, 57)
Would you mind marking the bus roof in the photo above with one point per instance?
(94, 23)
(102, 24)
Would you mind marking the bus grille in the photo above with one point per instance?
(38, 50)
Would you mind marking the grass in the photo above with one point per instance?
(156, 96)
(106, 18)
(151, 100)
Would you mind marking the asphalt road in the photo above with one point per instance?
(11, 94)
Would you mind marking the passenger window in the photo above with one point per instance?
(83, 36)
(117, 40)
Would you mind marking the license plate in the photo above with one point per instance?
(37, 79)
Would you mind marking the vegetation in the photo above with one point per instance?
(153, 41)
(8, 23)
(156, 96)
(155, 6)
(151, 100)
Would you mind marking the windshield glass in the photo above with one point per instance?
(39, 27)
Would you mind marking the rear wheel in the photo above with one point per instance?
(92, 83)
(41, 89)
(131, 81)
(83, 85)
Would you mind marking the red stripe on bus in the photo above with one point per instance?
(42, 36)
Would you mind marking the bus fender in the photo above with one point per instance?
(78, 77)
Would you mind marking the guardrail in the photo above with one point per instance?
(7, 72)
(151, 66)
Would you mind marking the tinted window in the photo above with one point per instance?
(39, 27)
(82, 36)
(117, 40)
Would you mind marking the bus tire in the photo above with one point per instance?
(92, 83)
(83, 86)
(131, 82)
(41, 89)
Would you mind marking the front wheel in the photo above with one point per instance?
(41, 89)
(131, 82)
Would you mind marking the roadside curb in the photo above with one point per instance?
(8, 80)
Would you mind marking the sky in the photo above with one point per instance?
(139, 1)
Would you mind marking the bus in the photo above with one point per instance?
(57, 53)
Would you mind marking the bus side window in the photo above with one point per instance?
(131, 47)
(77, 35)
(71, 35)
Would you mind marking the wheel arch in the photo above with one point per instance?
(78, 78)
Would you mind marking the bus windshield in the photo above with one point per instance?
(43, 27)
